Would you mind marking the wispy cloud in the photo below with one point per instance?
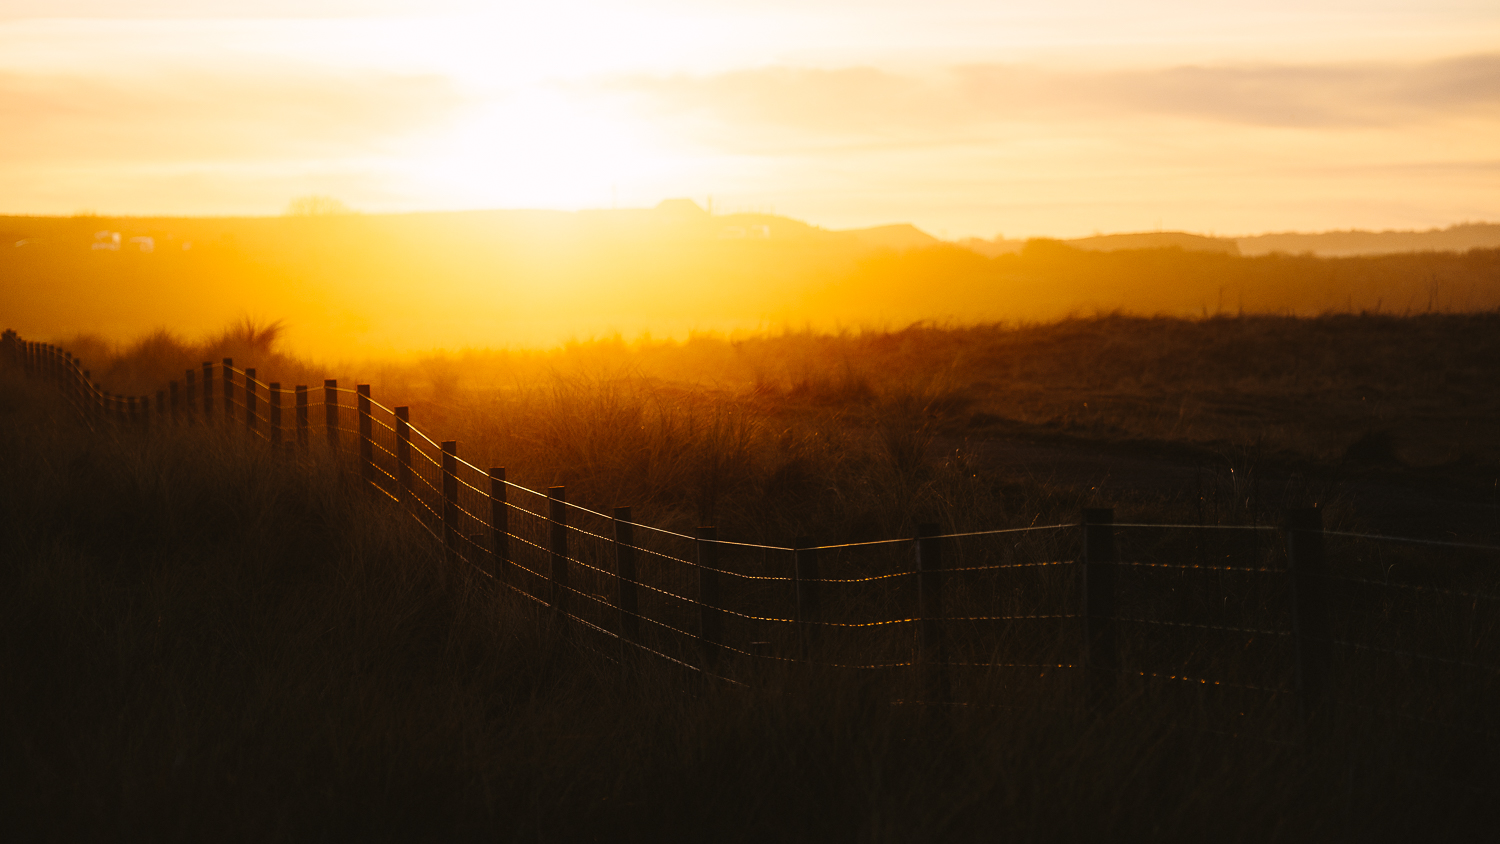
(872, 101)
(214, 116)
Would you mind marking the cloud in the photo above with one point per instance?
(866, 101)
(203, 117)
(1265, 95)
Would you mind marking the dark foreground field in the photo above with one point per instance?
(202, 641)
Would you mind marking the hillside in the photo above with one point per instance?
(1457, 238)
(358, 285)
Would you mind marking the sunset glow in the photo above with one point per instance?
(964, 118)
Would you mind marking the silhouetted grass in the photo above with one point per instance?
(202, 640)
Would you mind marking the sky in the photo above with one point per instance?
(964, 118)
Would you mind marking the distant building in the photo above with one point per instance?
(146, 244)
(107, 240)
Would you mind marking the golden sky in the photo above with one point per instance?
(965, 118)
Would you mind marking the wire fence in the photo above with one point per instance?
(1306, 619)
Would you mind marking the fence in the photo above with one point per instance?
(1290, 618)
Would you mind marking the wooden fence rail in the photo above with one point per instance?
(934, 606)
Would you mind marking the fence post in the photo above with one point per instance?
(403, 452)
(70, 389)
(1308, 569)
(499, 526)
(176, 401)
(932, 651)
(626, 598)
(96, 402)
(331, 412)
(274, 395)
(133, 416)
(190, 394)
(557, 514)
(228, 393)
(805, 581)
(366, 447)
(1101, 656)
(208, 392)
(450, 499)
(91, 406)
(710, 617)
(250, 420)
(145, 414)
(80, 391)
(302, 432)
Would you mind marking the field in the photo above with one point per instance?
(205, 640)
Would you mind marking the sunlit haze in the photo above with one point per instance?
(963, 118)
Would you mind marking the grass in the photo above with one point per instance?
(203, 640)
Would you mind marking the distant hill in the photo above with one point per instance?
(1113, 243)
(899, 237)
(355, 284)
(1155, 240)
(1459, 238)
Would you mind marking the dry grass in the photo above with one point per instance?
(203, 640)
(742, 431)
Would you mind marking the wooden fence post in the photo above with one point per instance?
(626, 598)
(403, 453)
(1309, 569)
(176, 401)
(932, 650)
(557, 514)
(331, 413)
(808, 592)
(228, 393)
(499, 526)
(366, 430)
(1101, 656)
(302, 426)
(208, 392)
(450, 499)
(274, 396)
(250, 398)
(145, 414)
(190, 395)
(710, 616)
(80, 387)
(96, 401)
(70, 386)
